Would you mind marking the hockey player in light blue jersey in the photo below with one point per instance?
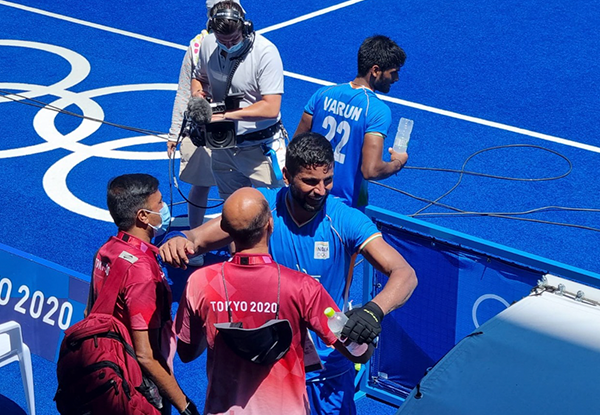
(318, 235)
(356, 121)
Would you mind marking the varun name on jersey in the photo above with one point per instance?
(342, 109)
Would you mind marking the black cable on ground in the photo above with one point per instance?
(462, 171)
(503, 215)
(458, 212)
(173, 182)
(172, 178)
(42, 105)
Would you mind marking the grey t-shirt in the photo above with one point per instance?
(260, 73)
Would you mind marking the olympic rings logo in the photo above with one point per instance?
(55, 178)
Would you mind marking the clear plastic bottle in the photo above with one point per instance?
(336, 322)
(405, 127)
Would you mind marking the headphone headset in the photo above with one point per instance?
(231, 14)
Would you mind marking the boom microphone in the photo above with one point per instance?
(204, 133)
(199, 111)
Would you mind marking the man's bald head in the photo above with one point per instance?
(245, 216)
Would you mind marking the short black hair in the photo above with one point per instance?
(250, 235)
(381, 51)
(126, 195)
(308, 150)
(225, 26)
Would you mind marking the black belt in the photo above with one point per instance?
(262, 134)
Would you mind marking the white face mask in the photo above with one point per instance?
(165, 216)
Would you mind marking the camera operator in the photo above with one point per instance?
(242, 70)
(195, 166)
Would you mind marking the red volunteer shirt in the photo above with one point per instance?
(237, 386)
(144, 300)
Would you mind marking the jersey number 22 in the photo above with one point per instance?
(343, 128)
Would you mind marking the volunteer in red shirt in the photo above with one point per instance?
(249, 291)
(144, 301)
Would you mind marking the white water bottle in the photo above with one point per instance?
(336, 322)
(403, 135)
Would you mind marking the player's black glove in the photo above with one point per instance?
(190, 409)
(364, 323)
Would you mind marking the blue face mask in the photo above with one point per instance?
(165, 216)
(232, 49)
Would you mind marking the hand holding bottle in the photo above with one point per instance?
(405, 127)
(336, 322)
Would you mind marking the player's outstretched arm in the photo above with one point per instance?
(364, 323)
(175, 251)
(402, 278)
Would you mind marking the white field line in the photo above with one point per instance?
(93, 25)
(492, 124)
(308, 16)
(422, 107)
